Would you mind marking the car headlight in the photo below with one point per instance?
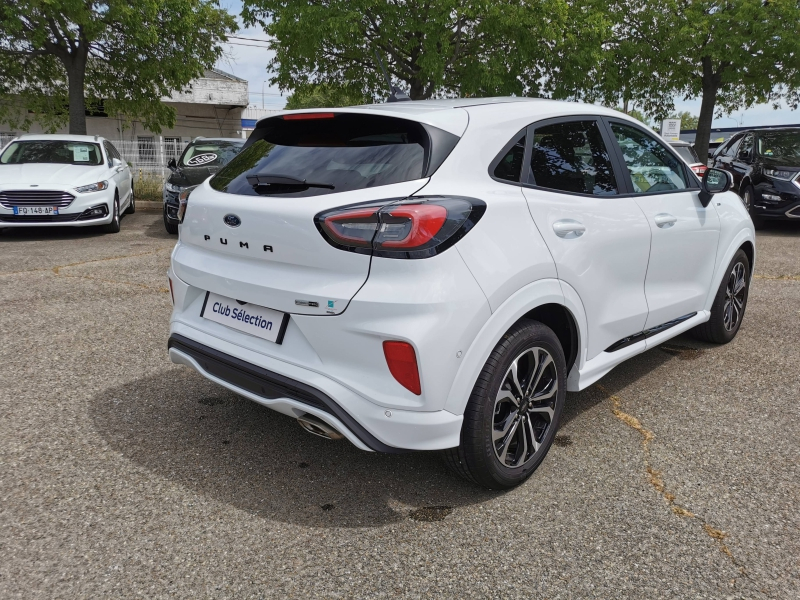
(92, 187)
(780, 174)
(183, 201)
(171, 187)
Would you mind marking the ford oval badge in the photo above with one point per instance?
(231, 220)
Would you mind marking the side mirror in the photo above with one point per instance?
(715, 181)
(115, 162)
(172, 165)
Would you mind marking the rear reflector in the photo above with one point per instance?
(171, 291)
(307, 116)
(402, 361)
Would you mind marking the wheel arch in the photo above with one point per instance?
(542, 300)
(744, 240)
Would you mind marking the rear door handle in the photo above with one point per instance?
(569, 228)
(665, 220)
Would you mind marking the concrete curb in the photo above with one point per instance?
(148, 205)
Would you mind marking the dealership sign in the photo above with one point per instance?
(671, 129)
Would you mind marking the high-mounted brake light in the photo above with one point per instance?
(307, 116)
(402, 362)
(415, 227)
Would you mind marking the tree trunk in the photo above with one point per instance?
(75, 65)
(711, 85)
(417, 91)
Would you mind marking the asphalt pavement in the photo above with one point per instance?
(122, 475)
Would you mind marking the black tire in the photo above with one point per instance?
(748, 197)
(114, 226)
(132, 206)
(728, 304)
(478, 458)
(171, 227)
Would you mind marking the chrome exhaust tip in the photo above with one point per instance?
(318, 427)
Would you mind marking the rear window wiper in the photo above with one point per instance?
(275, 184)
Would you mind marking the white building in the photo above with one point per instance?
(211, 106)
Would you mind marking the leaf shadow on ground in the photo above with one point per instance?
(179, 426)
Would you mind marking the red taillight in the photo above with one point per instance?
(402, 361)
(411, 228)
(412, 225)
(700, 170)
(307, 116)
(353, 227)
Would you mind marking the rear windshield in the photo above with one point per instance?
(209, 154)
(52, 151)
(687, 153)
(329, 154)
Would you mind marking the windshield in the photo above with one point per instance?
(209, 154)
(324, 155)
(780, 144)
(687, 153)
(52, 151)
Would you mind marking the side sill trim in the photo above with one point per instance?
(643, 335)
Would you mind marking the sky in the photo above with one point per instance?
(248, 59)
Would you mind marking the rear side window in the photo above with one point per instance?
(510, 166)
(298, 156)
(652, 167)
(572, 157)
(687, 153)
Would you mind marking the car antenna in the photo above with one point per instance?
(395, 93)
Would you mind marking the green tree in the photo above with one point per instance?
(731, 54)
(325, 96)
(447, 47)
(61, 56)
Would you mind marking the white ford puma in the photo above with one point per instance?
(57, 180)
(437, 275)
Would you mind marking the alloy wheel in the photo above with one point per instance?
(735, 291)
(524, 407)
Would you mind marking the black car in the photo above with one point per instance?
(765, 165)
(199, 160)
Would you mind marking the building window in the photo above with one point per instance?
(172, 147)
(147, 149)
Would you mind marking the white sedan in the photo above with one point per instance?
(56, 180)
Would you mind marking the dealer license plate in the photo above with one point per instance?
(36, 210)
(256, 320)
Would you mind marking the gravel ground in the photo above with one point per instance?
(122, 475)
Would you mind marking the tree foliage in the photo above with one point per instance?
(60, 57)
(325, 96)
(731, 54)
(442, 48)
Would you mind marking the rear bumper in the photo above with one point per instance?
(295, 391)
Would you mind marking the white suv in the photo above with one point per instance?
(437, 275)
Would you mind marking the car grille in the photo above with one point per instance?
(9, 198)
(39, 218)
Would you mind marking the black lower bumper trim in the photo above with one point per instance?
(270, 386)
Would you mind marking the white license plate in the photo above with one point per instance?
(256, 320)
(35, 210)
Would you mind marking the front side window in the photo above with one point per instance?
(746, 147)
(652, 167)
(572, 157)
(52, 151)
(209, 153)
(299, 156)
(510, 166)
(732, 147)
